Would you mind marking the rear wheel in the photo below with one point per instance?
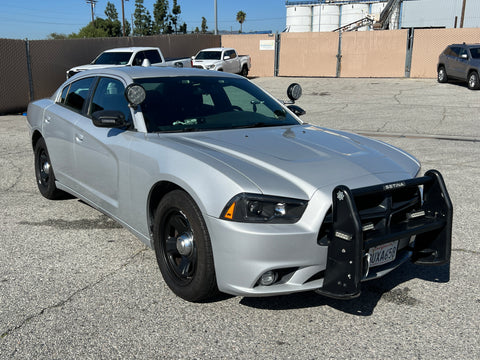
(244, 71)
(44, 172)
(183, 248)
(473, 81)
(442, 75)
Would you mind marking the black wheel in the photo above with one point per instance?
(442, 75)
(44, 173)
(183, 248)
(473, 82)
(244, 71)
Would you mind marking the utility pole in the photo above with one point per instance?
(92, 4)
(215, 10)
(463, 13)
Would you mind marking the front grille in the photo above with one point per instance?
(379, 212)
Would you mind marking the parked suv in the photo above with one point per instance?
(461, 62)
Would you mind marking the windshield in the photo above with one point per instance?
(113, 58)
(209, 55)
(475, 52)
(208, 103)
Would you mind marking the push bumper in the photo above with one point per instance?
(352, 232)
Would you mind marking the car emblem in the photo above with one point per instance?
(340, 195)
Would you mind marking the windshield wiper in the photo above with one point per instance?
(257, 125)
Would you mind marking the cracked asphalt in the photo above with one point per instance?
(75, 285)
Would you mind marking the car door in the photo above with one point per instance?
(231, 65)
(463, 63)
(453, 64)
(59, 128)
(100, 151)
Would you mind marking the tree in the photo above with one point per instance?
(92, 30)
(183, 28)
(175, 12)
(142, 20)
(160, 16)
(111, 12)
(204, 25)
(241, 18)
(57, 36)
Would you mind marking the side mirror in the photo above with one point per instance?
(109, 119)
(297, 110)
(146, 63)
(135, 94)
(464, 56)
(226, 57)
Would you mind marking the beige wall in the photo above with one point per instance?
(308, 54)
(263, 61)
(374, 53)
(429, 43)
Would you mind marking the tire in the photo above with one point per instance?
(244, 71)
(442, 75)
(187, 267)
(44, 173)
(473, 81)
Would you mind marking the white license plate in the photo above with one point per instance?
(383, 254)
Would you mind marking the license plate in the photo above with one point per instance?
(383, 254)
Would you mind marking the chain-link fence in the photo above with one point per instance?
(32, 70)
(14, 85)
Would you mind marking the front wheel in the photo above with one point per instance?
(183, 248)
(442, 75)
(473, 81)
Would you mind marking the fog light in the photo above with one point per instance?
(268, 278)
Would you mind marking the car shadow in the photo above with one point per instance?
(372, 291)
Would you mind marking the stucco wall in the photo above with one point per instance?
(429, 43)
(259, 47)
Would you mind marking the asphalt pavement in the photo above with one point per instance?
(75, 285)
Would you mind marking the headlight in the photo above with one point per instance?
(210, 67)
(256, 208)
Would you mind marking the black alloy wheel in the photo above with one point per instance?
(183, 248)
(44, 172)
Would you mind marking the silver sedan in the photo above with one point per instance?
(231, 189)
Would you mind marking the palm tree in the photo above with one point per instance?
(241, 18)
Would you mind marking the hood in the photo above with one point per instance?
(296, 161)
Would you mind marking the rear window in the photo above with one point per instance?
(74, 96)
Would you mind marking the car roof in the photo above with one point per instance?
(477, 44)
(130, 49)
(217, 49)
(136, 72)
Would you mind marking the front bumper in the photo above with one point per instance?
(332, 258)
(429, 223)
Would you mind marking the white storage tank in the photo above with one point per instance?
(353, 12)
(299, 18)
(329, 17)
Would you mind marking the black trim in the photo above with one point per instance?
(348, 242)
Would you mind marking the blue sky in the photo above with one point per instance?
(36, 19)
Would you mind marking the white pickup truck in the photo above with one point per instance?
(130, 56)
(222, 59)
